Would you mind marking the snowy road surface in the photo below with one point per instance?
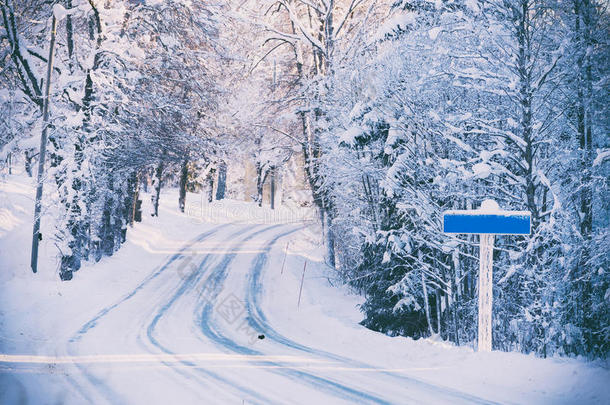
(177, 316)
(191, 327)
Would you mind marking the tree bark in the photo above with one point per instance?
(426, 304)
(135, 192)
(526, 96)
(157, 189)
(260, 180)
(211, 185)
(330, 240)
(107, 231)
(272, 187)
(43, 148)
(438, 311)
(584, 85)
(183, 180)
(28, 163)
(456, 293)
(221, 183)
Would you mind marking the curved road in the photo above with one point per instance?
(189, 333)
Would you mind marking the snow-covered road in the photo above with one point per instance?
(177, 316)
(192, 326)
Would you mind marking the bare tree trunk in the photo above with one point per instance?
(157, 189)
(454, 312)
(454, 298)
(134, 202)
(211, 185)
(438, 311)
(106, 233)
(221, 183)
(36, 237)
(28, 163)
(272, 187)
(183, 179)
(584, 89)
(260, 180)
(146, 175)
(523, 64)
(426, 305)
(70, 36)
(330, 240)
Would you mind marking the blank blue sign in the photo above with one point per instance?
(503, 223)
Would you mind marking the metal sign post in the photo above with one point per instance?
(487, 221)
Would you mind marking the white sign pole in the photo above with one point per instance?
(485, 291)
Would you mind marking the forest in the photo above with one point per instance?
(398, 110)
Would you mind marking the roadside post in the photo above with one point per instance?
(302, 279)
(489, 220)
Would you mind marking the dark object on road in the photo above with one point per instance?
(39, 235)
(261, 337)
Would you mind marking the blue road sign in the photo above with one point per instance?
(487, 221)
(481, 222)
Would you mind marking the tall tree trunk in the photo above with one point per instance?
(121, 214)
(211, 185)
(146, 181)
(311, 149)
(438, 311)
(221, 183)
(70, 36)
(272, 188)
(157, 189)
(525, 96)
(135, 192)
(456, 293)
(259, 184)
(329, 240)
(106, 234)
(36, 237)
(581, 281)
(426, 304)
(183, 180)
(456, 330)
(584, 85)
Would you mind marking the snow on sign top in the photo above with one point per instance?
(489, 219)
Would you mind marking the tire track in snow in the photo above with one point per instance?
(259, 321)
(98, 385)
(189, 284)
(211, 330)
(91, 323)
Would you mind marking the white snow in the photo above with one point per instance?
(472, 4)
(481, 170)
(59, 12)
(488, 207)
(433, 32)
(400, 21)
(348, 136)
(150, 324)
(602, 155)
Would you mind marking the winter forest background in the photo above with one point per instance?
(398, 109)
